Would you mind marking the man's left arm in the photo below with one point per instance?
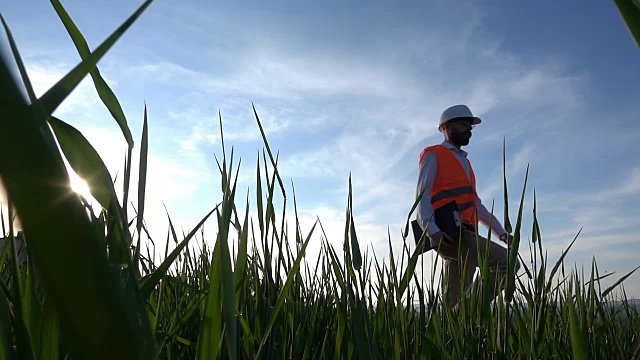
(489, 219)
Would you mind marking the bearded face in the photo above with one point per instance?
(459, 131)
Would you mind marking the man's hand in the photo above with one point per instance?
(507, 239)
(439, 239)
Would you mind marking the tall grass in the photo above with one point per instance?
(92, 289)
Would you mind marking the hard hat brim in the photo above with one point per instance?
(475, 121)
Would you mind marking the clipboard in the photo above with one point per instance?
(417, 234)
(447, 218)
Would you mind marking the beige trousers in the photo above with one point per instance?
(463, 256)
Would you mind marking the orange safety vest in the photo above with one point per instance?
(452, 183)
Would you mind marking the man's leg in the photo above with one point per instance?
(469, 249)
(458, 275)
(497, 257)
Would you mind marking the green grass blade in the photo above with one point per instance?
(6, 346)
(172, 230)
(413, 208)
(223, 169)
(612, 287)
(85, 161)
(259, 206)
(241, 258)
(190, 310)
(636, 353)
(346, 247)
(210, 336)
(558, 263)
(336, 269)
(507, 223)
(126, 180)
(513, 252)
(630, 12)
(16, 54)
(33, 309)
(266, 143)
(50, 346)
(104, 91)
(149, 283)
(24, 344)
(408, 273)
(55, 95)
(227, 277)
(356, 255)
(579, 342)
(360, 335)
(285, 289)
(142, 182)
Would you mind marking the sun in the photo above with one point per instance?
(80, 186)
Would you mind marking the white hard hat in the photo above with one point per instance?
(456, 112)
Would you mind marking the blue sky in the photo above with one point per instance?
(357, 89)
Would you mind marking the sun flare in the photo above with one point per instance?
(80, 186)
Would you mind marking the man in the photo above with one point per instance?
(445, 175)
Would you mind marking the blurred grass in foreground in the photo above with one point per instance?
(91, 289)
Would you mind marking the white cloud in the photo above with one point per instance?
(608, 207)
(314, 164)
(628, 186)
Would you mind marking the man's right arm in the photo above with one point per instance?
(426, 177)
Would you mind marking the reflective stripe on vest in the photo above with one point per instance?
(441, 195)
(464, 206)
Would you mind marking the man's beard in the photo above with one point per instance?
(461, 138)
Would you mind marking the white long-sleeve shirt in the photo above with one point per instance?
(427, 174)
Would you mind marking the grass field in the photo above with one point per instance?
(92, 288)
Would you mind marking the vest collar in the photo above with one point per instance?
(452, 147)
